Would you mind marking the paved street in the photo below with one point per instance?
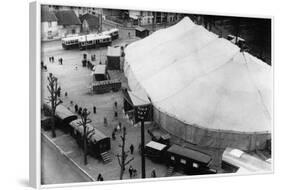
(56, 169)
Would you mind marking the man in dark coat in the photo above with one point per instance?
(131, 171)
(132, 148)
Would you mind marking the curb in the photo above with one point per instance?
(50, 142)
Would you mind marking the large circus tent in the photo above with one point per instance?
(203, 89)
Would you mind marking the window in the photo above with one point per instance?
(183, 161)
(50, 24)
(195, 165)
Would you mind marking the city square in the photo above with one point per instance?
(75, 70)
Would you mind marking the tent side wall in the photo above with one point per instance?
(210, 138)
(198, 135)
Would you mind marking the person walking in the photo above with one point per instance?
(113, 135)
(100, 178)
(76, 108)
(131, 171)
(80, 111)
(153, 173)
(132, 148)
(59, 91)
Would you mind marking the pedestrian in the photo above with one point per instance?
(132, 148)
(115, 104)
(129, 34)
(42, 65)
(153, 173)
(65, 94)
(94, 110)
(113, 135)
(118, 128)
(100, 178)
(80, 111)
(134, 172)
(50, 59)
(59, 91)
(115, 114)
(71, 102)
(115, 130)
(76, 108)
(105, 121)
(131, 171)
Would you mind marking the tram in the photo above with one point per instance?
(93, 41)
(70, 42)
(114, 33)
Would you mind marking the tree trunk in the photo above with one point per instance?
(121, 173)
(53, 125)
(85, 147)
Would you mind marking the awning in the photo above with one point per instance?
(138, 98)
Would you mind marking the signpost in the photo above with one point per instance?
(141, 111)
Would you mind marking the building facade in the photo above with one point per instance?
(68, 23)
(49, 25)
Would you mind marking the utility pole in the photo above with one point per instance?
(141, 115)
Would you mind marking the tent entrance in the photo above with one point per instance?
(134, 100)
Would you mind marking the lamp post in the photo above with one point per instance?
(141, 111)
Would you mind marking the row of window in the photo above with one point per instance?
(94, 41)
(70, 42)
(183, 161)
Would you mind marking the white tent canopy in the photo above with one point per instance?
(192, 75)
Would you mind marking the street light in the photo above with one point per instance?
(141, 115)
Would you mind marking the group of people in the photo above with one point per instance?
(132, 172)
(43, 66)
(78, 110)
(52, 60)
(99, 178)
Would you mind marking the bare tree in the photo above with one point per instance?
(53, 99)
(124, 154)
(86, 134)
